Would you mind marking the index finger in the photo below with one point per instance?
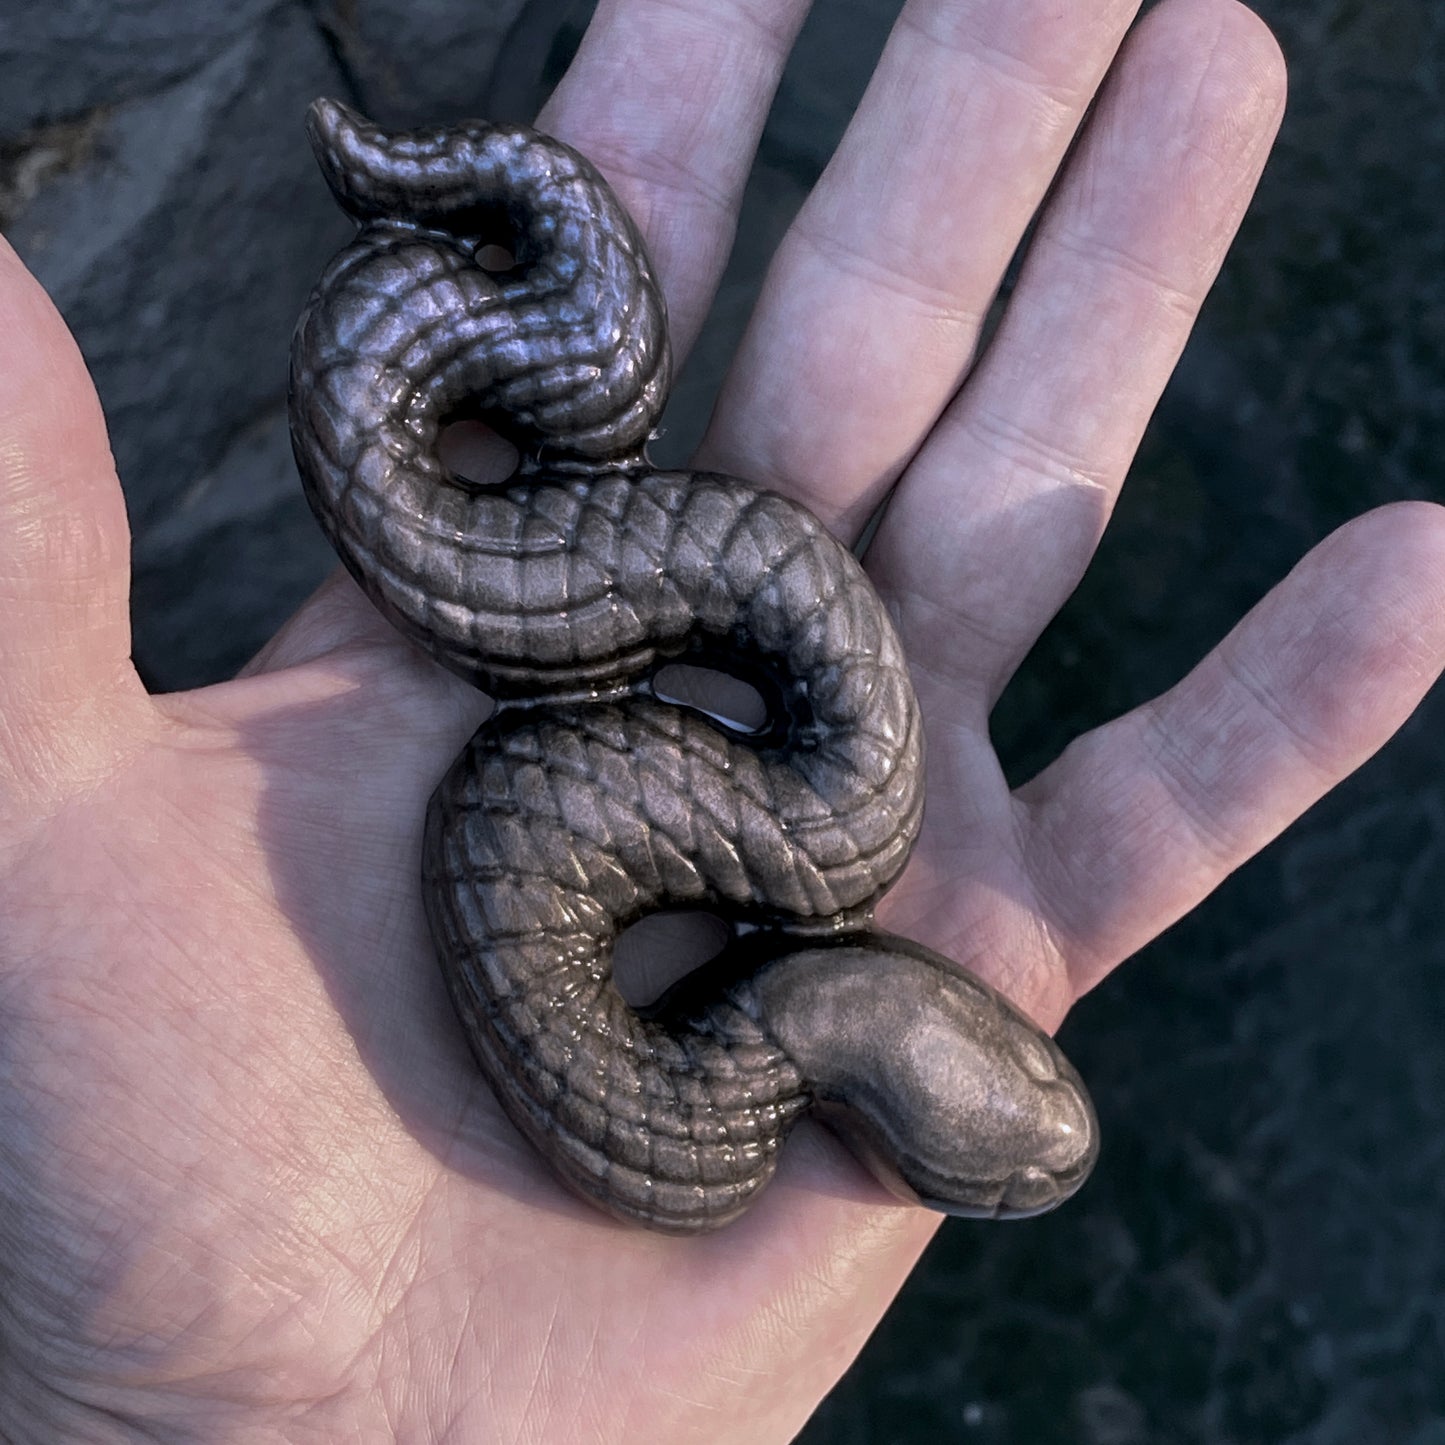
(668, 98)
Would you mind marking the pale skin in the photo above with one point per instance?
(251, 1187)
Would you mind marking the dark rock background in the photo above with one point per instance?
(1260, 1257)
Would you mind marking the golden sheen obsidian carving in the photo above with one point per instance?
(587, 800)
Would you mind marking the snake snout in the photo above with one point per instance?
(1061, 1148)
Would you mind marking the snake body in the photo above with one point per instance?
(588, 800)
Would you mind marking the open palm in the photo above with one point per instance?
(251, 1185)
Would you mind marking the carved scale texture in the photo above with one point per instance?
(586, 802)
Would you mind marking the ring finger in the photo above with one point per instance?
(1028, 460)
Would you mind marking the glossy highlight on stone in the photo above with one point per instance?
(591, 799)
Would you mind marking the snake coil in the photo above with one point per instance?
(588, 800)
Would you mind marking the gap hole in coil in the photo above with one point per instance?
(495, 258)
(718, 695)
(657, 951)
(472, 451)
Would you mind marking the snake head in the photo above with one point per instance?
(946, 1091)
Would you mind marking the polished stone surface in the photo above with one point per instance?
(586, 802)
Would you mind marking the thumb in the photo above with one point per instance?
(65, 673)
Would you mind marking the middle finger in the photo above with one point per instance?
(873, 305)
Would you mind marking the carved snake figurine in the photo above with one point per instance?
(587, 800)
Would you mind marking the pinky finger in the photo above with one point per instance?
(1138, 821)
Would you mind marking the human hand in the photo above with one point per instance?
(251, 1186)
